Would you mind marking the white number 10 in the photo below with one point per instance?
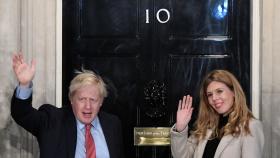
(158, 18)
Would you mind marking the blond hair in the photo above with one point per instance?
(85, 78)
(208, 118)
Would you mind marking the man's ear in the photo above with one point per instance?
(71, 102)
(101, 103)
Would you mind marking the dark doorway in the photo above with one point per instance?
(151, 53)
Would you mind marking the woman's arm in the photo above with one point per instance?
(182, 146)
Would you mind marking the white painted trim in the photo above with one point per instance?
(255, 58)
(58, 86)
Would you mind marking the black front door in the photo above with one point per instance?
(152, 52)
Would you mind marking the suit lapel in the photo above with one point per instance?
(71, 134)
(223, 144)
(107, 131)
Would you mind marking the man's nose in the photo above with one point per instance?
(88, 104)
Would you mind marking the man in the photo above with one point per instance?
(67, 132)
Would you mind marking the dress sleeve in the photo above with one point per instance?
(182, 146)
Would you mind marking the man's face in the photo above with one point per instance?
(86, 103)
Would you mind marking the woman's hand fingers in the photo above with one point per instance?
(185, 103)
(184, 112)
(189, 102)
(179, 105)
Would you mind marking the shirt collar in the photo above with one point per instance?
(94, 123)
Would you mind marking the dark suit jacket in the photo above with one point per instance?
(56, 130)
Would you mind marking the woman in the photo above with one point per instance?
(225, 127)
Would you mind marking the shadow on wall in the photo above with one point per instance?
(276, 138)
(14, 140)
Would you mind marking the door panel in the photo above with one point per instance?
(202, 18)
(151, 53)
(112, 16)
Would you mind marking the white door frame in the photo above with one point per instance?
(255, 58)
(58, 63)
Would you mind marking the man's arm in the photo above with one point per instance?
(21, 104)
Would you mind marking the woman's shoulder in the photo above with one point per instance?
(255, 123)
(256, 127)
(256, 135)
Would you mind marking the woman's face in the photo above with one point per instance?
(220, 97)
